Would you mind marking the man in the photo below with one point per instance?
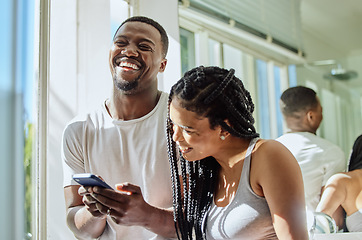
(318, 158)
(124, 142)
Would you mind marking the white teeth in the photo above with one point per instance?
(184, 149)
(130, 65)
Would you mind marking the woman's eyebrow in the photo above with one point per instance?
(181, 126)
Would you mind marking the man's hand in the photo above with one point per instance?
(90, 202)
(126, 206)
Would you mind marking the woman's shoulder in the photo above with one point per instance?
(268, 152)
(340, 179)
(270, 147)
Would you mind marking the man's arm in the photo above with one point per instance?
(80, 220)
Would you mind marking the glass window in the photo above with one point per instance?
(292, 72)
(278, 93)
(263, 98)
(16, 123)
(187, 40)
(233, 58)
(215, 53)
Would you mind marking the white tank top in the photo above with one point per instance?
(247, 216)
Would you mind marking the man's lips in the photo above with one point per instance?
(127, 64)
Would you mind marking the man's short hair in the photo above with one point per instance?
(161, 30)
(297, 99)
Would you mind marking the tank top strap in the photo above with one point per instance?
(249, 151)
(245, 173)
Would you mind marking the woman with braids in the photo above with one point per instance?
(233, 185)
(343, 191)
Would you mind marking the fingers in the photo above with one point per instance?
(125, 205)
(111, 200)
(103, 209)
(128, 188)
(84, 190)
(91, 206)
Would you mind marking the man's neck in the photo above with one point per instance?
(299, 125)
(301, 130)
(128, 107)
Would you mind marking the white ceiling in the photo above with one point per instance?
(337, 25)
(336, 22)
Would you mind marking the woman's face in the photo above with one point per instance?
(193, 134)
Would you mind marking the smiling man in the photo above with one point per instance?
(124, 142)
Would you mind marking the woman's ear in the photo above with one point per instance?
(223, 133)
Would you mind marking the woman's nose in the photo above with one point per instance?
(177, 133)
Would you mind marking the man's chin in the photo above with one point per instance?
(126, 86)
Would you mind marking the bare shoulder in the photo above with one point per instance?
(345, 178)
(274, 169)
(271, 156)
(272, 151)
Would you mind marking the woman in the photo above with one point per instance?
(344, 190)
(233, 185)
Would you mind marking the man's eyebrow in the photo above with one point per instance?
(141, 40)
(148, 40)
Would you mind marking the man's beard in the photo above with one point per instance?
(126, 86)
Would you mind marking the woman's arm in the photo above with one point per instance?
(332, 198)
(280, 179)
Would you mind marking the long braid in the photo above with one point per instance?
(176, 186)
(218, 95)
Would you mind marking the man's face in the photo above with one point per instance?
(319, 113)
(317, 116)
(136, 57)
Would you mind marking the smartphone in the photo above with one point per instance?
(88, 179)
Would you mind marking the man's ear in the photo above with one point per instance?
(163, 65)
(311, 117)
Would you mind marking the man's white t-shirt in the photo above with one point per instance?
(133, 151)
(318, 158)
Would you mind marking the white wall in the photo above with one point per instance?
(79, 78)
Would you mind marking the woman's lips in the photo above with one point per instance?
(185, 150)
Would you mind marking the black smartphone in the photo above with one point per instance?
(88, 179)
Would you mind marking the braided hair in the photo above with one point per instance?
(214, 93)
(355, 160)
